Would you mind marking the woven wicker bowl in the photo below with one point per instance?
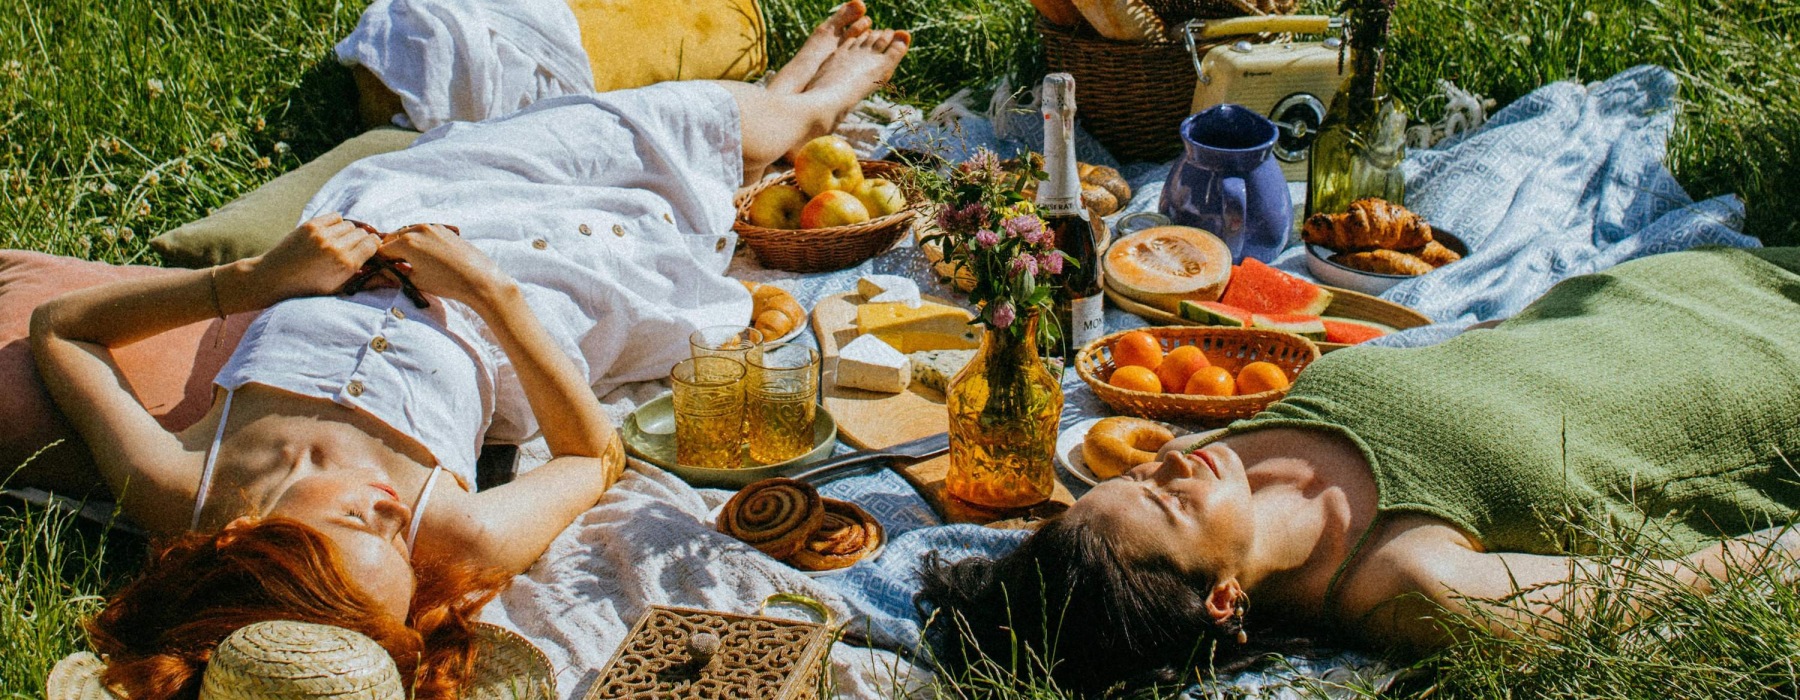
(1231, 348)
(826, 249)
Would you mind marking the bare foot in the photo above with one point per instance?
(858, 68)
(848, 21)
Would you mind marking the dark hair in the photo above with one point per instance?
(159, 631)
(1067, 602)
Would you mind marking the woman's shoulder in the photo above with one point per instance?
(1404, 551)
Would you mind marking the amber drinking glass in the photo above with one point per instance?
(709, 412)
(739, 343)
(782, 397)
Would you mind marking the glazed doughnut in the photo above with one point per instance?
(848, 534)
(1115, 445)
(775, 516)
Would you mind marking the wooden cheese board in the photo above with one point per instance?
(874, 420)
(1344, 304)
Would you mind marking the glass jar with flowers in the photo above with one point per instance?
(1005, 404)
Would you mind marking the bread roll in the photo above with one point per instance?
(1122, 20)
(1061, 13)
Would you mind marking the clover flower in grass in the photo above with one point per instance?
(262, 163)
(987, 238)
(216, 142)
(1003, 315)
(143, 209)
(1051, 263)
(108, 189)
(154, 87)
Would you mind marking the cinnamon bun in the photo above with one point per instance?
(848, 534)
(775, 516)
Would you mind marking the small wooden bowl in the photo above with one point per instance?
(1231, 348)
(832, 248)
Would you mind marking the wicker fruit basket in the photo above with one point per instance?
(1231, 348)
(826, 249)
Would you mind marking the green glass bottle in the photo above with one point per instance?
(1359, 148)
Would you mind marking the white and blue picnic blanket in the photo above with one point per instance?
(1565, 181)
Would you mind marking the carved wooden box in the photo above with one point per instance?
(688, 653)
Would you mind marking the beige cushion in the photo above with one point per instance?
(253, 223)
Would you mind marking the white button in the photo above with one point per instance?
(379, 344)
(354, 388)
(720, 246)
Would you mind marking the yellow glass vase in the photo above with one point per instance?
(1004, 409)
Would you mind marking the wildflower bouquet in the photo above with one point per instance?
(990, 234)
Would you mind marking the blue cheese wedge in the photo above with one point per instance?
(868, 363)
(934, 368)
(880, 289)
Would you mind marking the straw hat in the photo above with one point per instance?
(286, 660)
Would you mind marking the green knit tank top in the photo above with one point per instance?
(1663, 394)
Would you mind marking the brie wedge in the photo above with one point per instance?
(868, 363)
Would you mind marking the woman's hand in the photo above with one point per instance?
(314, 259)
(444, 264)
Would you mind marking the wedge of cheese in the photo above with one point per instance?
(868, 363)
(889, 288)
(934, 368)
(928, 327)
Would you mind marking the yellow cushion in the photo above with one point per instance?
(633, 43)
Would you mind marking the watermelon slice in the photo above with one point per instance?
(1351, 331)
(1212, 313)
(1303, 325)
(1261, 289)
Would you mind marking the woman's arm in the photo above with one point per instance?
(1515, 593)
(510, 525)
(72, 337)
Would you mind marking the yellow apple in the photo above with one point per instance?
(881, 197)
(833, 208)
(778, 206)
(827, 163)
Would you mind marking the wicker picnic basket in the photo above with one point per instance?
(1132, 96)
(826, 249)
(1231, 348)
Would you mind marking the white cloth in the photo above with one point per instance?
(650, 542)
(469, 60)
(406, 366)
(613, 212)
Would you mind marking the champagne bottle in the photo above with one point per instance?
(1077, 300)
(1359, 148)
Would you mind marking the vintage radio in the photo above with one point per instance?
(1292, 82)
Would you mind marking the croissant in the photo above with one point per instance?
(1384, 262)
(773, 310)
(1436, 255)
(1371, 223)
(846, 536)
(775, 516)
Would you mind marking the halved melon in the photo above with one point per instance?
(1166, 265)
(1261, 289)
(1351, 331)
(1212, 313)
(1303, 325)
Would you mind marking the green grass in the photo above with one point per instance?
(123, 118)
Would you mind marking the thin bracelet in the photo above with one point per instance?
(212, 284)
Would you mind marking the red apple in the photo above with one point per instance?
(833, 208)
(827, 163)
(778, 206)
(881, 197)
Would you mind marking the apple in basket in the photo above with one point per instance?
(778, 206)
(827, 163)
(833, 208)
(881, 197)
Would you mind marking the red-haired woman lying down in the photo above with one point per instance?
(316, 486)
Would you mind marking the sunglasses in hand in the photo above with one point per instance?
(378, 264)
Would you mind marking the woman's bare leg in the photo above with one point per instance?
(775, 123)
(848, 21)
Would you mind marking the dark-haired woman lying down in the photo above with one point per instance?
(1393, 487)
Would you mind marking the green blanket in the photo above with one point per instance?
(1662, 393)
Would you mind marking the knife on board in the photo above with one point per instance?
(868, 460)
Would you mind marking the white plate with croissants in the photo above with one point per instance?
(1098, 449)
(1375, 245)
(774, 312)
(788, 520)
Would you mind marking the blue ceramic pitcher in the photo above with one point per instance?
(1228, 183)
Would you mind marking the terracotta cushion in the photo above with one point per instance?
(171, 373)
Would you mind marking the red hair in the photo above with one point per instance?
(159, 632)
